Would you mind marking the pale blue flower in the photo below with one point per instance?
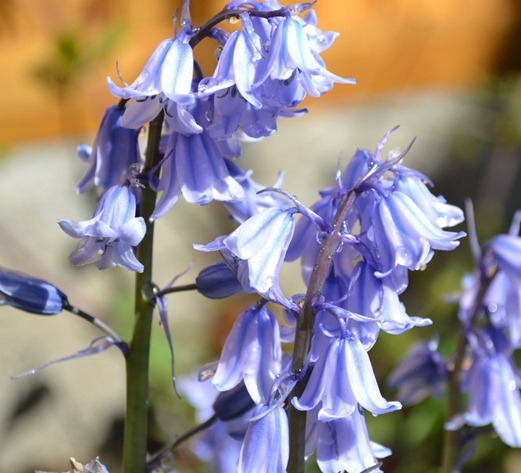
(492, 385)
(261, 242)
(169, 71)
(403, 235)
(251, 353)
(435, 208)
(238, 64)
(341, 378)
(195, 167)
(501, 305)
(344, 445)
(506, 251)
(108, 238)
(265, 447)
(290, 52)
(378, 298)
(274, 61)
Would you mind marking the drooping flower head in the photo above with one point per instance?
(251, 353)
(343, 445)
(168, 72)
(261, 242)
(108, 238)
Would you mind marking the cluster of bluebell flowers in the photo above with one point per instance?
(483, 369)
(385, 222)
(377, 222)
(288, 357)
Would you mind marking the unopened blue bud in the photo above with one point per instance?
(233, 403)
(218, 281)
(30, 294)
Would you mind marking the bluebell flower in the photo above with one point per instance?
(290, 52)
(391, 230)
(435, 208)
(492, 385)
(195, 167)
(378, 298)
(506, 251)
(420, 374)
(238, 64)
(343, 445)
(251, 353)
(262, 242)
(167, 77)
(108, 238)
(400, 220)
(403, 235)
(169, 71)
(502, 304)
(114, 151)
(499, 262)
(30, 294)
(341, 378)
(265, 448)
(280, 52)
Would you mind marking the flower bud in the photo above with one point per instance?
(30, 294)
(218, 281)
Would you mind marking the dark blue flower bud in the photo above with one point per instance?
(233, 403)
(30, 294)
(218, 281)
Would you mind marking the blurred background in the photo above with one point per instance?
(447, 72)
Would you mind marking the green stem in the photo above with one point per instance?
(304, 332)
(452, 441)
(136, 420)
